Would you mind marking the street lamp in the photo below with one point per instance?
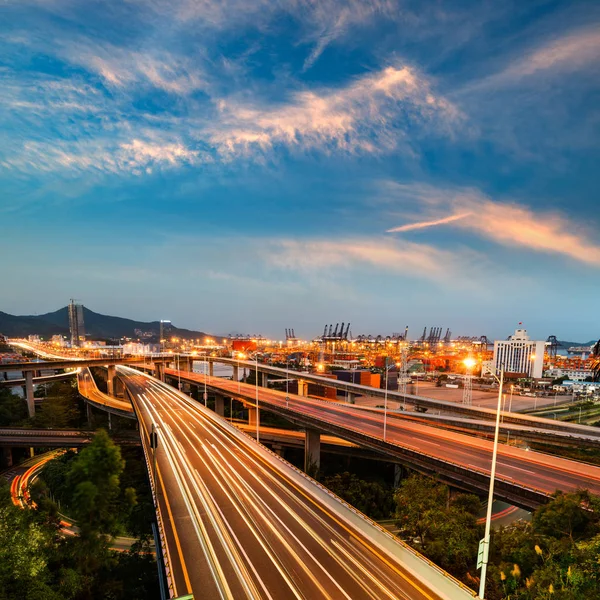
(287, 381)
(205, 377)
(484, 544)
(257, 427)
(385, 398)
(468, 387)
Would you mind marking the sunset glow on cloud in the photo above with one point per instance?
(374, 158)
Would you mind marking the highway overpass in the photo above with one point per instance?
(353, 390)
(239, 522)
(525, 478)
(37, 380)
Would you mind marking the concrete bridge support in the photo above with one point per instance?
(29, 393)
(211, 369)
(236, 373)
(119, 388)
(312, 450)
(110, 380)
(253, 416)
(302, 388)
(220, 405)
(159, 371)
(265, 380)
(397, 475)
(351, 398)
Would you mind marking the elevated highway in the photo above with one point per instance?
(525, 478)
(73, 363)
(239, 522)
(89, 390)
(578, 432)
(53, 438)
(37, 380)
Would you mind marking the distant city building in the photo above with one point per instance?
(34, 338)
(141, 349)
(76, 326)
(519, 355)
(58, 340)
(571, 374)
(165, 331)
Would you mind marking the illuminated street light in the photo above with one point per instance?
(468, 386)
(484, 544)
(257, 427)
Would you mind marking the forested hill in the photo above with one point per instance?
(97, 326)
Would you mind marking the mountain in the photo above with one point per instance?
(564, 344)
(97, 326)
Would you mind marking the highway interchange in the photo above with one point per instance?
(240, 522)
(527, 469)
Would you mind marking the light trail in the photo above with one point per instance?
(254, 527)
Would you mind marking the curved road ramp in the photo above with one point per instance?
(237, 521)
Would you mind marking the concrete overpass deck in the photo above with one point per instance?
(525, 478)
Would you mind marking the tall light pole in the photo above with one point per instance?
(287, 381)
(484, 544)
(468, 387)
(385, 396)
(257, 413)
(205, 377)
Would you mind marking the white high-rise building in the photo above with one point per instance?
(519, 354)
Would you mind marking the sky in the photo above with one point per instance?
(244, 167)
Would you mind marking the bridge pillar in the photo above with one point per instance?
(220, 405)
(264, 380)
(312, 450)
(110, 380)
(253, 416)
(89, 414)
(159, 371)
(302, 388)
(211, 369)
(7, 456)
(119, 387)
(351, 398)
(29, 393)
(397, 475)
(236, 373)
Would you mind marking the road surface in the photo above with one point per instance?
(239, 522)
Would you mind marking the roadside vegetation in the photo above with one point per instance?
(37, 562)
(553, 557)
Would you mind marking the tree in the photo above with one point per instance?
(370, 497)
(94, 480)
(420, 503)
(568, 515)
(444, 525)
(13, 409)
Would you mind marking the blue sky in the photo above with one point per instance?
(250, 166)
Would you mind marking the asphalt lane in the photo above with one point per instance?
(529, 469)
(245, 526)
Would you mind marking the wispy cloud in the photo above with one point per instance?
(577, 49)
(120, 67)
(425, 224)
(419, 261)
(509, 224)
(101, 156)
(370, 115)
